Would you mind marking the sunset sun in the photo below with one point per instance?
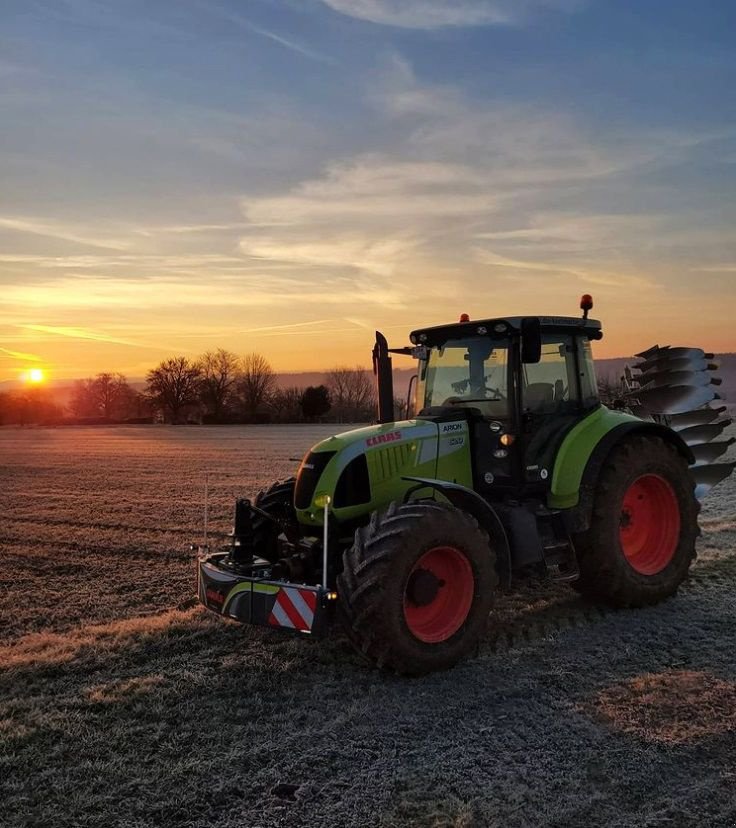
(35, 376)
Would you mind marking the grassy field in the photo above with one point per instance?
(124, 704)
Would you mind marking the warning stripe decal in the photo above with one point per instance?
(305, 603)
(279, 618)
(294, 608)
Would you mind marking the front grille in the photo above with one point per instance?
(308, 476)
(390, 462)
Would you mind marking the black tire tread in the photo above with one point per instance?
(370, 565)
(604, 572)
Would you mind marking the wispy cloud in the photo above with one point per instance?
(245, 23)
(435, 14)
(79, 333)
(57, 230)
(724, 268)
(187, 229)
(582, 274)
(247, 291)
(20, 355)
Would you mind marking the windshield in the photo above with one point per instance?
(465, 372)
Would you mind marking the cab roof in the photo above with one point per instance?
(503, 327)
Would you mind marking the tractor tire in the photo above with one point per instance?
(278, 501)
(417, 587)
(641, 540)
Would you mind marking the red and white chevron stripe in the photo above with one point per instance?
(294, 608)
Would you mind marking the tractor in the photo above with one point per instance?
(510, 468)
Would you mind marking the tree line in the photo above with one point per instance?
(217, 387)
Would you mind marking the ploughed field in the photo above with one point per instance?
(122, 703)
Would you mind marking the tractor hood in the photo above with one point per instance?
(363, 469)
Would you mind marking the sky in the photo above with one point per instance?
(286, 176)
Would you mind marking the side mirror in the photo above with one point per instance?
(531, 339)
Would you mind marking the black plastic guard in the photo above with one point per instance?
(276, 604)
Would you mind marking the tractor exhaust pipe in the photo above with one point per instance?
(384, 379)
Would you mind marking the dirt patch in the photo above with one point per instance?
(124, 690)
(673, 707)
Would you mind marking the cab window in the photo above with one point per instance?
(551, 386)
(469, 373)
(588, 382)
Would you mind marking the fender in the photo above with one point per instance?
(471, 502)
(578, 517)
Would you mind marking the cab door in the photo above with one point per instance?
(549, 405)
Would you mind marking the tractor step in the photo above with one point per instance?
(559, 553)
(561, 561)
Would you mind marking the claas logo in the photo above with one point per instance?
(383, 438)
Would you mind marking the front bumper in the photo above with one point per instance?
(251, 600)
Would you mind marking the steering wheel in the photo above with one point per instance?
(496, 392)
(497, 396)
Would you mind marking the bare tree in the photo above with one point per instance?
(286, 404)
(173, 386)
(110, 391)
(220, 371)
(83, 402)
(107, 396)
(133, 405)
(255, 385)
(30, 406)
(352, 394)
(400, 408)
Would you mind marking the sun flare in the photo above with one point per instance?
(35, 375)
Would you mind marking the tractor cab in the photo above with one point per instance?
(520, 383)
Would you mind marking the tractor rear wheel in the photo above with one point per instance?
(278, 501)
(641, 539)
(417, 587)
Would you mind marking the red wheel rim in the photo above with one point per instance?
(439, 616)
(650, 524)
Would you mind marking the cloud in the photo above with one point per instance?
(21, 355)
(242, 22)
(79, 333)
(435, 14)
(582, 274)
(58, 230)
(458, 173)
(292, 45)
(379, 256)
(724, 268)
(470, 191)
(187, 229)
(374, 187)
(205, 293)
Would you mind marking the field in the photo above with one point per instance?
(124, 704)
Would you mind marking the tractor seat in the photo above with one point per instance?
(539, 396)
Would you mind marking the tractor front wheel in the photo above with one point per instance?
(417, 587)
(641, 539)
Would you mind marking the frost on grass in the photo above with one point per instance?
(122, 704)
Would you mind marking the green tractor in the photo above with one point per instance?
(511, 467)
